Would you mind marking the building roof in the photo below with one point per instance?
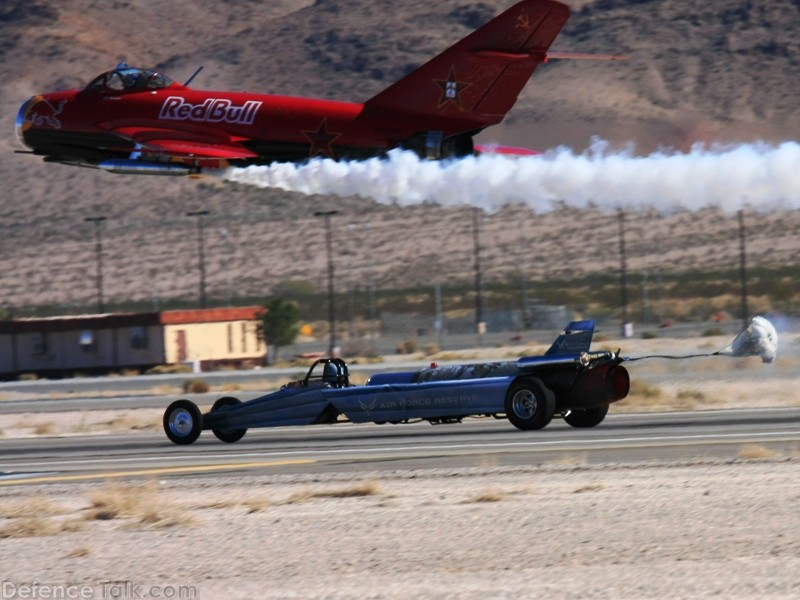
(210, 315)
(119, 320)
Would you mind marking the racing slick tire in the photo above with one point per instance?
(529, 404)
(183, 422)
(591, 417)
(224, 434)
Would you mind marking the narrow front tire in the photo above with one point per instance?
(183, 422)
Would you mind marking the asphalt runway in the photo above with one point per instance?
(641, 438)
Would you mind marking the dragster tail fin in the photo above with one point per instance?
(576, 338)
(477, 80)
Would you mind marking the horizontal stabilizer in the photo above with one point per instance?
(479, 78)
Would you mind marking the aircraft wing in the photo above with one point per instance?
(182, 144)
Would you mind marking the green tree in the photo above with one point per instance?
(280, 324)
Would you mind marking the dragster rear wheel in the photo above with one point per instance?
(223, 433)
(183, 422)
(591, 417)
(529, 404)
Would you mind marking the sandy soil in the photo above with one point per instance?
(695, 530)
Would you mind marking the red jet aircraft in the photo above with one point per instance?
(138, 121)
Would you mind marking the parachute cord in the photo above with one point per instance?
(672, 357)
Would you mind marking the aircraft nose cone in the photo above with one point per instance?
(19, 125)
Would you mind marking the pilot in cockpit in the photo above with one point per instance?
(130, 79)
(133, 79)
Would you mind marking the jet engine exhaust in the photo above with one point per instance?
(599, 386)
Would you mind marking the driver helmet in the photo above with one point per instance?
(331, 373)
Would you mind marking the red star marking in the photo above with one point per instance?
(321, 140)
(451, 89)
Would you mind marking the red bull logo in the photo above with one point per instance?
(211, 110)
(40, 112)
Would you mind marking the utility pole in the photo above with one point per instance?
(373, 305)
(223, 232)
(201, 253)
(480, 324)
(327, 214)
(660, 283)
(523, 261)
(366, 242)
(439, 322)
(627, 330)
(98, 248)
(743, 267)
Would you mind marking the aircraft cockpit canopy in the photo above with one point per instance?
(129, 79)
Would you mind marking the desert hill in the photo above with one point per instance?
(720, 70)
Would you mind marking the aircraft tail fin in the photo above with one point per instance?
(576, 338)
(476, 81)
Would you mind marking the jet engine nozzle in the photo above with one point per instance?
(599, 386)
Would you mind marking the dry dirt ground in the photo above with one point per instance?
(723, 529)
(563, 529)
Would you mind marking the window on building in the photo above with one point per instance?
(230, 338)
(87, 341)
(244, 337)
(139, 337)
(39, 343)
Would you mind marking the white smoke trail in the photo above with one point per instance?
(758, 176)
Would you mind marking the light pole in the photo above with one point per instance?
(365, 241)
(201, 253)
(223, 232)
(98, 248)
(480, 324)
(743, 267)
(627, 329)
(327, 214)
(523, 273)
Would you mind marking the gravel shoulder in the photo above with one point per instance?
(690, 530)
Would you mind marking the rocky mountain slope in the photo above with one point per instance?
(718, 71)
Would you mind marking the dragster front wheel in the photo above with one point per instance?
(183, 422)
(529, 404)
(226, 434)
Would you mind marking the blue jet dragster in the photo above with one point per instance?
(567, 380)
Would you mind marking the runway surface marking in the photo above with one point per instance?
(385, 452)
(615, 442)
(158, 471)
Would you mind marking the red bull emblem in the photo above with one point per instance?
(41, 112)
(212, 110)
